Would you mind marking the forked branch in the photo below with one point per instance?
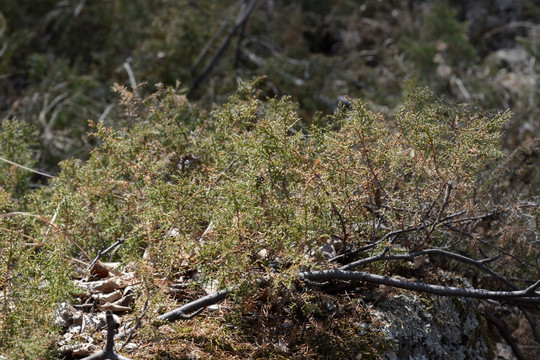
(108, 352)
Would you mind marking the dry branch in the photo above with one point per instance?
(528, 294)
(241, 19)
(193, 308)
(105, 252)
(108, 353)
(411, 256)
(26, 168)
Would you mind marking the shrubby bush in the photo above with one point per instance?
(17, 144)
(248, 191)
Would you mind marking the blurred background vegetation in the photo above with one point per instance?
(60, 59)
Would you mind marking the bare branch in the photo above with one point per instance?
(530, 321)
(446, 199)
(461, 258)
(241, 19)
(411, 256)
(108, 353)
(464, 259)
(353, 253)
(215, 35)
(380, 257)
(528, 294)
(105, 252)
(193, 308)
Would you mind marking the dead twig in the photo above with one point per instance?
(104, 252)
(193, 308)
(51, 225)
(136, 326)
(36, 241)
(108, 352)
(411, 256)
(26, 168)
(215, 35)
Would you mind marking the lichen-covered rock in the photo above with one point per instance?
(432, 327)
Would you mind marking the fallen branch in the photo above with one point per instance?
(529, 294)
(193, 308)
(411, 256)
(321, 278)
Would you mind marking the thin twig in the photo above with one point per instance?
(26, 168)
(131, 76)
(105, 112)
(15, 213)
(353, 253)
(104, 252)
(136, 326)
(335, 210)
(52, 220)
(505, 334)
(380, 257)
(511, 25)
(37, 242)
(50, 224)
(411, 256)
(530, 321)
(446, 199)
(224, 171)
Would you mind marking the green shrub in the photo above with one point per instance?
(249, 191)
(259, 180)
(17, 144)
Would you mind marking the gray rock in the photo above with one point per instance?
(431, 327)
